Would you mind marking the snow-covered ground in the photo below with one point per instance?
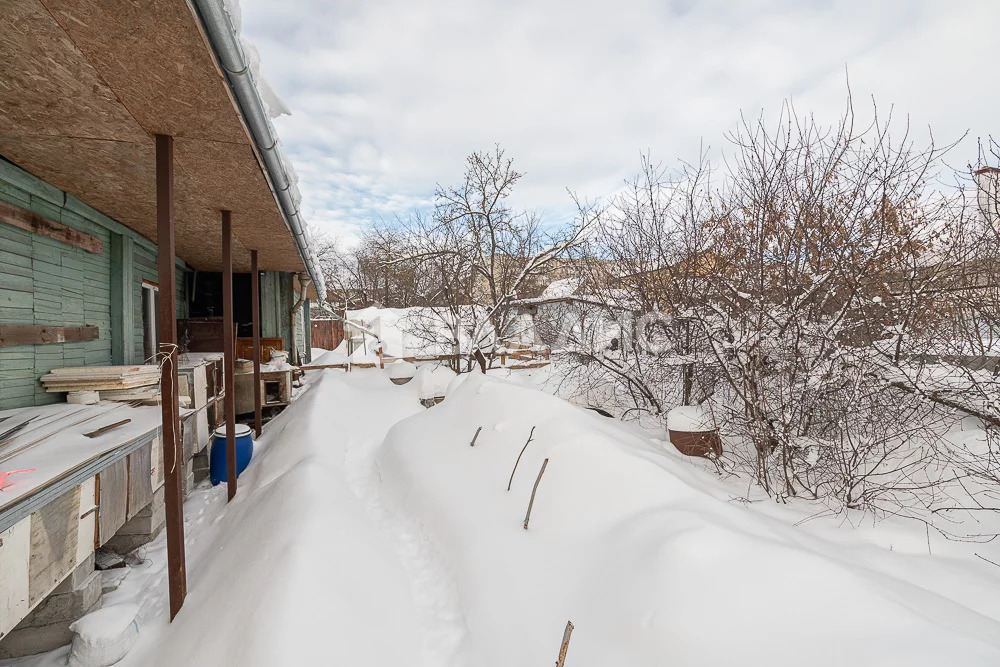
(368, 531)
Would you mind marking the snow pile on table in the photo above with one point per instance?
(432, 380)
(690, 418)
(399, 370)
(648, 556)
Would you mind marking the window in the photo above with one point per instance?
(150, 305)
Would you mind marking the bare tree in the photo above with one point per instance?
(482, 254)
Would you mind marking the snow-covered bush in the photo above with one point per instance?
(810, 297)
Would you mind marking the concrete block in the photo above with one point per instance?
(142, 528)
(201, 466)
(125, 544)
(187, 478)
(21, 642)
(65, 607)
(25, 641)
(77, 577)
(145, 525)
(156, 505)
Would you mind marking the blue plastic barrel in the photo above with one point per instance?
(217, 457)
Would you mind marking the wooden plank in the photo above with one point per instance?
(112, 500)
(104, 429)
(87, 531)
(140, 485)
(156, 462)
(36, 224)
(34, 334)
(53, 544)
(15, 551)
(122, 295)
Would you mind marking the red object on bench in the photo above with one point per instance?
(5, 475)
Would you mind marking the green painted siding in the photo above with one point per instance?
(277, 296)
(43, 281)
(144, 268)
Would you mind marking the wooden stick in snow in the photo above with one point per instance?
(511, 480)
(527, 517)
(473, 443)
(565, 644)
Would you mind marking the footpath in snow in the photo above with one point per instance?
(368, 531)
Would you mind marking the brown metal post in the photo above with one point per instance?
(229, 350)
(255, 299)
(173, 453)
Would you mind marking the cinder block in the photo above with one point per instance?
(126, 544)
(28, 640)
(187, 478)
(65, 607)
(142, 528)
(201, 466)
(21, 642)
(155, 505)
(77, 577)
(145, 525)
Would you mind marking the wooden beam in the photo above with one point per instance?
(255, 309)
(33, 334)
(122, 299)
(36, 224)
(173, 454)
(229, 350)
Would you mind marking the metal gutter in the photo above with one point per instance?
(225, 41)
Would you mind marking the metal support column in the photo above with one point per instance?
(229, 350)
(255, 299)
(173, 453)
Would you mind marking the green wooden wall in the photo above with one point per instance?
(43, 281)
(277, 296)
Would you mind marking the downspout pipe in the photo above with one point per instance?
(304, 285)
(348, 322)
(225, 42)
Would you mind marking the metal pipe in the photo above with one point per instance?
(224, 39)
(304, 280)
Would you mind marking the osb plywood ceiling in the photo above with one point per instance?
(84, 86)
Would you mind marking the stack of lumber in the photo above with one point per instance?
(115, 380)
(148, 393)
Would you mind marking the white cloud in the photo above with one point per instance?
(389, 97)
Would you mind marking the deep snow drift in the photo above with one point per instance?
(650, 558)
(368, 532)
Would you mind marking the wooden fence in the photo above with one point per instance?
(528, 359)
(327, 334)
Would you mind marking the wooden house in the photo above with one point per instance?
(141, 182)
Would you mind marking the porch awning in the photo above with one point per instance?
(84, 86)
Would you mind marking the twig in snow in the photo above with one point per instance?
(531, 502)
(511, 480)
(473, 443)
(564, 648)
(988, 560)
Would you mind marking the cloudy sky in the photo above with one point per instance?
(389, 96)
